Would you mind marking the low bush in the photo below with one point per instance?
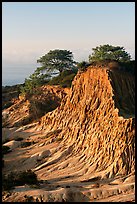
(83, 65)
(67, 81)
(64, 79)
(5, 149)
(26, 177)
(5, 140)
(53, 133)
(18, 178)
(7, 105)
(8, 182)
(25, 144)
(26, 121)
(18, 139)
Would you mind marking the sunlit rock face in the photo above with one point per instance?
(96, 119)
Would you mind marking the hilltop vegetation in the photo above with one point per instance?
(109, 52)
(55, 60)
(8, 93)
(62, 63)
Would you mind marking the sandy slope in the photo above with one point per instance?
(64, 180)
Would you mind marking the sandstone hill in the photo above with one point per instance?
(31, 107)
(84, 150)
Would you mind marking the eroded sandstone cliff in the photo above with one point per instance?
(96, 122)
(84, 150)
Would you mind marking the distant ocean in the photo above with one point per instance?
(12, 75)
(11, 82)
(16, 75)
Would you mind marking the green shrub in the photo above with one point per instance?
(5, 149)
(83, 65)
(7, 105)
(52, 133)
(26, 120)
(39, 108)
(5, 140)
(64, 79)
(26, 144)
(26, 177)
(18, 139)
(67, 81)
(8, 181)
(18, 178)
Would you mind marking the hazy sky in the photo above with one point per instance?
(32, 29)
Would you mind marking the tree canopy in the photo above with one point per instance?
(109, 52)
(61, 60)
(36, 79)
(57, 60)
